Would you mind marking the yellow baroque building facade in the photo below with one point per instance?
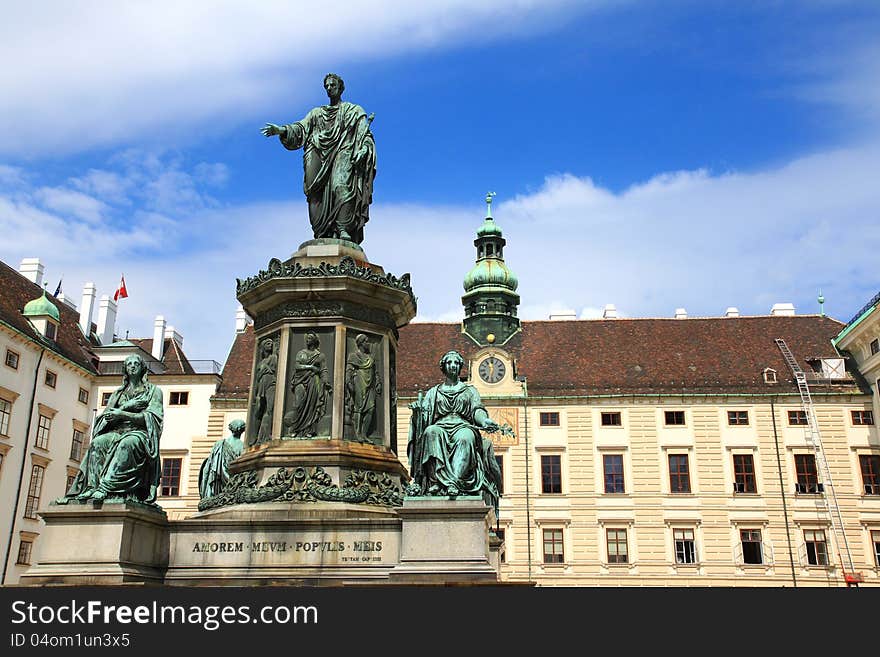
(652, 451)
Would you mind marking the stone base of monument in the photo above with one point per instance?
(426, 541)
(445, 541)
(101, 543)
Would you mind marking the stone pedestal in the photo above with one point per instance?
(94, 543)
(327, 289)
(306, 544)
(445, 541)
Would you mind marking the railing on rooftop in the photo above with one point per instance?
(186, 367)
(865, 308)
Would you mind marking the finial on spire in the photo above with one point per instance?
(489, 196)
(821, 301)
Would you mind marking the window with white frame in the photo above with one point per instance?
(862, 418)
(673, 418)
(679, 473)
(44, 426)
(553, 550)
(807, 476)
(25, 548)
(752, 550)
(5, 413)
(171, 477)
(35, 488)
(737, 418)
(744, 474)
(178, 398)
(76, 445)
(869, 464)
(548, 419)
(551, 474)
(685, 546)
(12, 358)
(612, 466)
(816, 547)
(611, 419)
(875, 541)
(615, 540)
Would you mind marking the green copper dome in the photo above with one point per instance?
(489, 228)
(491, 272)
(41, 306)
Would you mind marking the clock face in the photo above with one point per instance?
(491, 370)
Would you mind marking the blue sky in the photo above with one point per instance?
(653, 155)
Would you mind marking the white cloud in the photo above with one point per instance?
(67, 201)
(78, 75)
(683, 239)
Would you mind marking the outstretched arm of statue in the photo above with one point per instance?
(481, 417)
(270, 129)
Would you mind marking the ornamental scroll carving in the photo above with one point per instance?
(298, 485)
(346, 267)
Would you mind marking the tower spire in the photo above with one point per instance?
(490, 300)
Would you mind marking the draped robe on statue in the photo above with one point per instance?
(445, 446)
(122, 459)
(214, 472)
(309, 393)
(338, 189)
(363, 384)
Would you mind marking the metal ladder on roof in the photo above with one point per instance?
(814, 439)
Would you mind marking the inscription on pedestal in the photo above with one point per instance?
(307, 549)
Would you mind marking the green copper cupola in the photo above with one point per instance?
(43, 315)
(490, 300)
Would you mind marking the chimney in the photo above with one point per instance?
(63, 298)
(731, 312)
(87, 307)
(158, 337)
(241, 320)
(106, 320)
(563, 315)
(171, 332)
(681, 313)
(32, 269)
(610, 311)
(782, 309)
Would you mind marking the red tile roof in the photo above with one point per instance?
(635, 356)
(173, 358)
(719, 355)
(237, 370)
(69, 343)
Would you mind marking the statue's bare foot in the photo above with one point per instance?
(452, 491)
(434, 490)
(98, 496)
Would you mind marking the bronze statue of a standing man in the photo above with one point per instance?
(339, 159)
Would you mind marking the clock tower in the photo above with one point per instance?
(490, 300)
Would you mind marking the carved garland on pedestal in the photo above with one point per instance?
(346, 267)
(360, 487)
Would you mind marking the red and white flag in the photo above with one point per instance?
(121, 292)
